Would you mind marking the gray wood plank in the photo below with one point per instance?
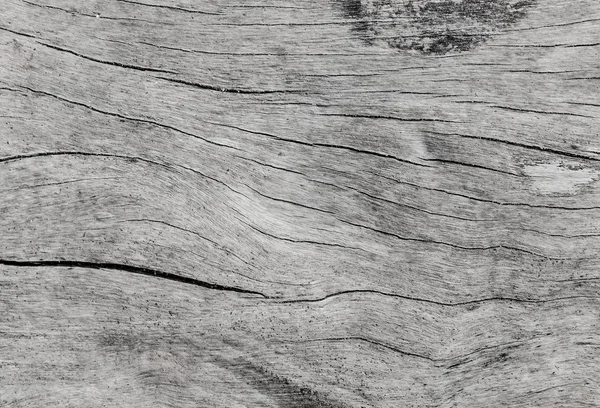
(311, 204)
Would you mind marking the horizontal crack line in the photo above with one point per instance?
(324, 145)
(509, 108)
(477, 166)
(252, 54)
(484, 200)
(367, 340)
(591, 20)
(434, 302)
(297, 241)
(185, 10)
(437, 361)
(116, 64)
(92, 15)
(78, 153)
(448, 244)
(385, 200)
(516, 144)
(214, 243)
(117, 115)
(351, 115)
(130, 269)
(230, 90)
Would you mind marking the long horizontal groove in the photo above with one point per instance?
(116, 64)
(562, 45)
(257, 54)
(195, 282)
(570, 23)
(78, 153)
(451, 245)
(370, 341)
(58, 183)
(483, 200)
(120, 116)
(324, 145)
(434, 302)
(385, 200)
(383, 117)
(174, 8)
(390, 22)
(473, 165)
(129, 269)
(516, 144)
(510, 108)
(17, 32)
(98, 16)
(411, 354)
(231, 90)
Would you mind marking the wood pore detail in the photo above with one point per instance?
(299, 203)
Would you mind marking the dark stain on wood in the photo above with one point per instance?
(432, 27)
(281, 389)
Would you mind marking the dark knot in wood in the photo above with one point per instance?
(432, 27)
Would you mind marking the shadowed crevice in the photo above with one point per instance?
(130, 269)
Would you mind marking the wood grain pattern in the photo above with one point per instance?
(295, 204)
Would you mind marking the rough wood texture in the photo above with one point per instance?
(299, 204)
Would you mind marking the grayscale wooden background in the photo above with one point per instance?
(285, 203)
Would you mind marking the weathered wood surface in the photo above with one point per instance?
(299, 203)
